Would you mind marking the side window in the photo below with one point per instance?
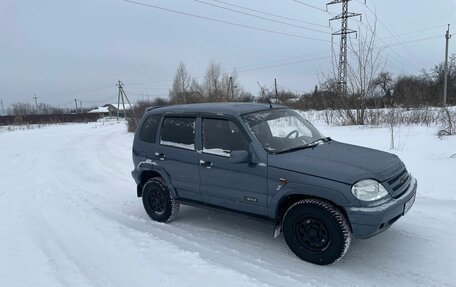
(149, 129)
(220, 137)
(178, 132)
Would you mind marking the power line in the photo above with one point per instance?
(225, 22)
(199, 75)
(290, 89)
(284, 64)
(312, 6)
(284, 59)
(77, 92)
(419, 30)
(389, 46)
(270, 14)
(261, 17)
(395, 37)
(414, 41)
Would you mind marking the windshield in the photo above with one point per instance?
(280, 130)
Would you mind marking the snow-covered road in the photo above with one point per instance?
(69, 216)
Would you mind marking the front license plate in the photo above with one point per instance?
(409, 204)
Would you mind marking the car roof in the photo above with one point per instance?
(220, 108)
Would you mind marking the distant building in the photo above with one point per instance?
(110, 110)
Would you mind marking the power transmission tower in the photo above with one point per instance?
(76, 103)
(445, 79)
(343, 32)
(35, 98)
(122, 96)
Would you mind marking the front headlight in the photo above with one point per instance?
(368, 190)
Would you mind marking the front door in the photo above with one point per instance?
(238, 186)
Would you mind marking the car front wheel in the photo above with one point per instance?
(316, 231)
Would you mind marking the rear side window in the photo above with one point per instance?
(149, 129)
(178, 132)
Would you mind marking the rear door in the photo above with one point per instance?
(176, 154)
(240, 186)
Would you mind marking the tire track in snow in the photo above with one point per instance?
(94, 191)
(61, 261)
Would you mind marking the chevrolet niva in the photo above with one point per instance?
(268, 162)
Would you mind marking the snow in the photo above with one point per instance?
(99, 110)
(217, 151)
(179, 145)
(69, 216)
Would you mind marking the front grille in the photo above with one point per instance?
(399, 184)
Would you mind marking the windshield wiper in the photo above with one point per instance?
(323, 140)
(309, 145)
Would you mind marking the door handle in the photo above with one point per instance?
(206, 164)
(160, 156)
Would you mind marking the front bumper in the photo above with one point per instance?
(369, 221)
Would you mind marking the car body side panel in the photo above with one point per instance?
(242, 186)
(148, 166)
(301, 184)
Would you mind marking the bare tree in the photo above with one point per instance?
(363, 70)
(364, 65)
(23, 109)
(217, 86)
(181, 85)
(384, 81)
(212, 82)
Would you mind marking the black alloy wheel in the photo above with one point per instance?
(158, 201)
(312, 234)
(316, 231)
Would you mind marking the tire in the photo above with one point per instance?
(158, 201)
(316, 231)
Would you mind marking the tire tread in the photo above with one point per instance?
(334, 213)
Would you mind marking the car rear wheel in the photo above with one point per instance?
(316, 231)
(158, 201)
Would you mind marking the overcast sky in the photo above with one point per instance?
(61, 50)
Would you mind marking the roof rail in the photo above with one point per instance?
(155, 107)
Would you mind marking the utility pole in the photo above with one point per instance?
(445, 77)
(3, 109)
(232, 88)
(35, 98)
(122, 96)
(80, 106)
(343, 32)
(76, 103)
(276, 92)
(228, 88)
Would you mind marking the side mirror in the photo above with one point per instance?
(240, 156)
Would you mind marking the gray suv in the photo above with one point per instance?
(268, 162)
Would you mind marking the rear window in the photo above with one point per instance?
(149, 129)
(178, 132)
